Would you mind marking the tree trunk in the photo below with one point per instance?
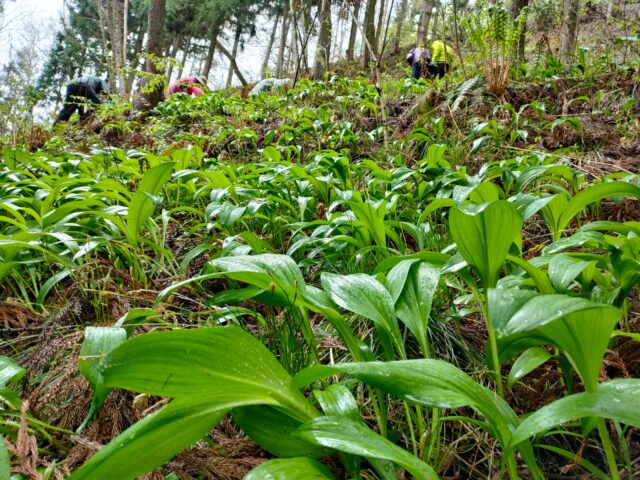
(283, 40)
(236, 42)
(294, 50)
(610, 10)
(400, 19)
(380, 24)
(105, 28)
(267, 55)
(423, 23)
(117, 24)
(212, 48)
(323, 51)
(125, 37)
(187, 50)
(232, 60)
(151, 90)
(137, 48)
(369, 32)
(569, 32)
(435, 13)
(516, 8)
(177, 40)
(354, 31)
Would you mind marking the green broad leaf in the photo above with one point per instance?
(364, 295)
(528, 205)
(372, 218)
(434, 383)
(435, 205)
(5, 461)
(50, 283)
(552, 212)
(526, 363)
(581, 329)
(272, 154)
(539, 276)
(412, 285)
(563, 270)
(591, 195)
(478, 143)
(580, 239)
(135, 317)
(484, 235)
(349, 436)
(263, 270)
(617, 400)
(10, 372)
(142, 203)
(271, 429)
(98, 342)
(434, 258)
(220, 364)
(152, 441)
(336, 400)
(290, 469)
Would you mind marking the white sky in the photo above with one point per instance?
(27, 21)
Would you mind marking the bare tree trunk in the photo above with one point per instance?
(380, 24)
(516, 8)
(610, 10)
(212, 48)
(267, 55)
(125, 37)
(423, 23)
(354, 31)
(283, 40)
(177, 40)
(236, 42)
(151, 93)
(370, 32)
(569, 31)
(103, 17)
(137, 48)
(435, 13)
(232, 60)
(187, 51)
(295, 52)
(323, 51)
(117, 24)
(400, 19)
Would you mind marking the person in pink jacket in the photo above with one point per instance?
(189, 85)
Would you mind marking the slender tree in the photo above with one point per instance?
(283, 40)
(151, 91)
(370, 32)
(569, 30)
(426, 9)
(323, 52)
(354, 31)
(400, 20)
(267, 54)
(516, 8)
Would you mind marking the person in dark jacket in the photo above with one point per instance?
(79, 92)
(418, 58)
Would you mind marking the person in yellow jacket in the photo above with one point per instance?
(442, 56)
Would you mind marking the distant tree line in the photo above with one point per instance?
(304, 36)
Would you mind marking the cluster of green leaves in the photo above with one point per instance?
(385, 245)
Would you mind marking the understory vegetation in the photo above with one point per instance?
(429, 279)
